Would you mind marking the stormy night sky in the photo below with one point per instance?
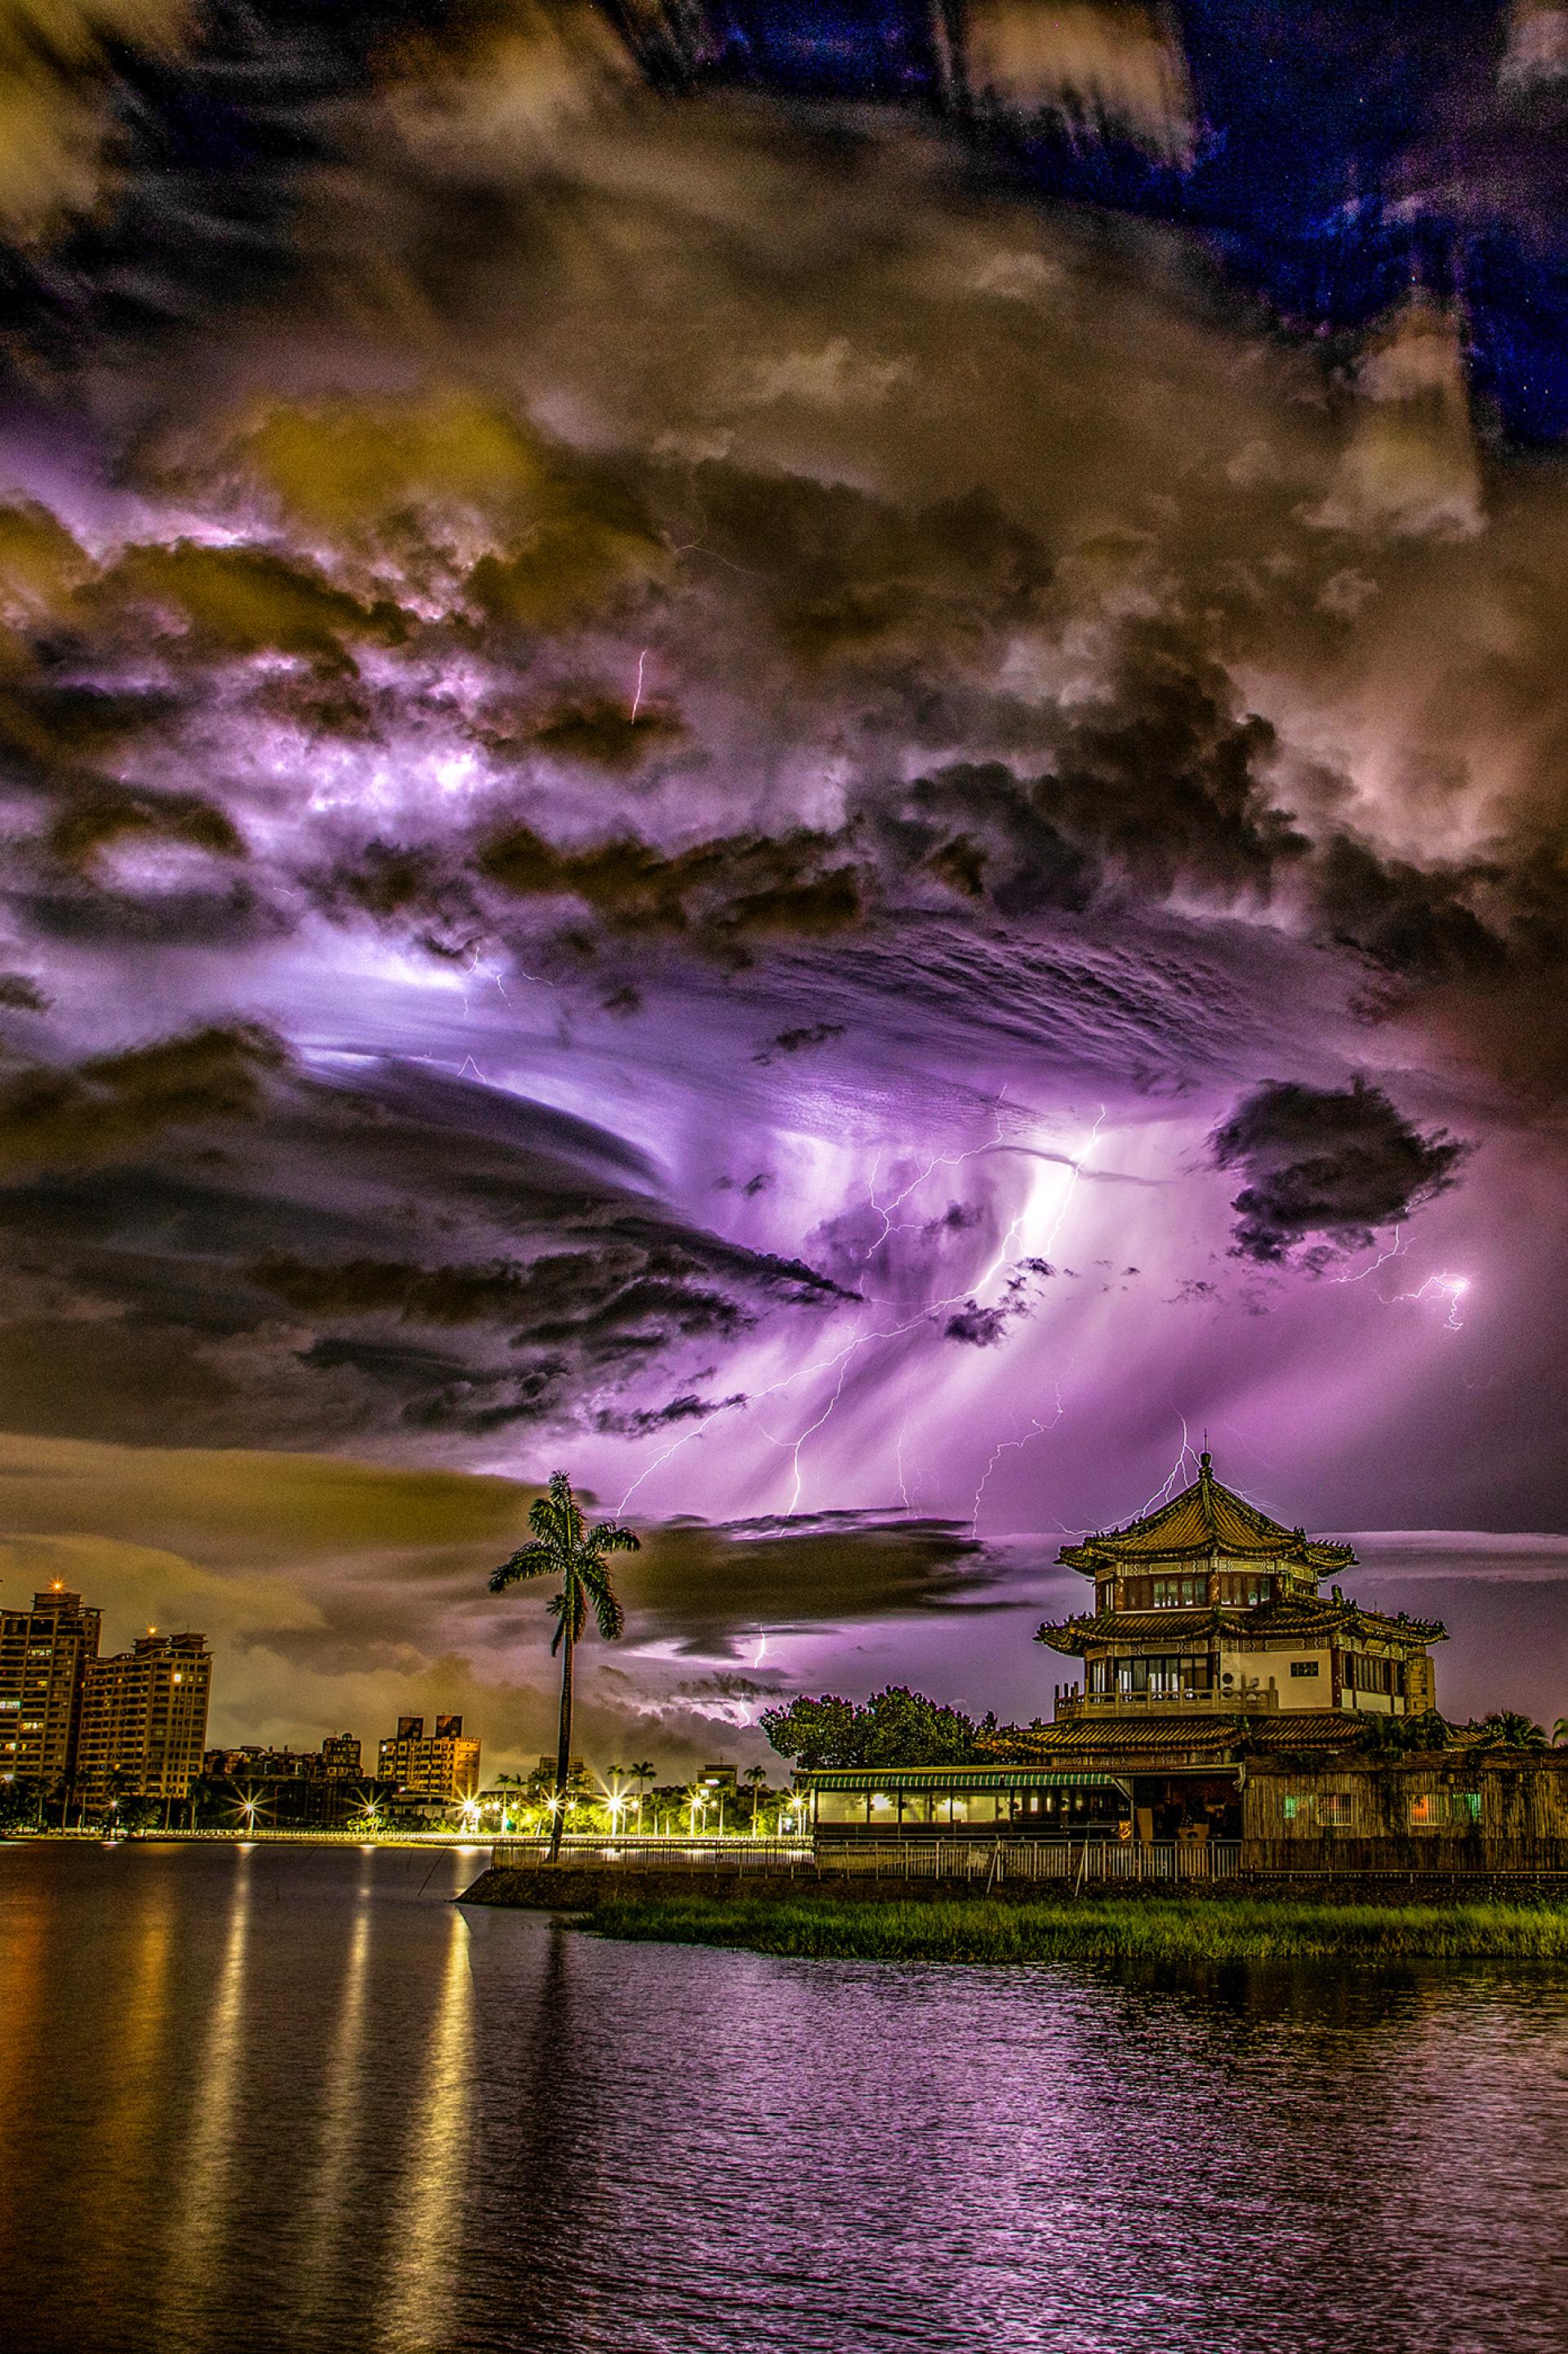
(810, 757)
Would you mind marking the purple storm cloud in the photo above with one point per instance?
(700, 803)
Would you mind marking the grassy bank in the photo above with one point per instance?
(1093, 1929)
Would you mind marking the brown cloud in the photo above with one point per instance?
(113, 1105)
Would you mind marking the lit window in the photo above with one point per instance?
(1297, 1810)
(1334, 1808)
(1427, 1811)
(1466, 1805)
(1179, 1593)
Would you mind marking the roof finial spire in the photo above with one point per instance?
(1204, 1459)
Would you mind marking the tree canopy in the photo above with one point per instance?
(894, 1727)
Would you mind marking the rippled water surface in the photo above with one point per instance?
(296, 2098)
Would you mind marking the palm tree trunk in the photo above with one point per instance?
(564, 1743)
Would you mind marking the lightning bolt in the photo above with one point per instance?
(477, 966)
(637, 698)
(1036, 1430)
(1451, 1287)
(842, 1356)
(1163, 1493)
(903, 1484)
(938, 1161)
(1006, 1255)
(1382, 1261)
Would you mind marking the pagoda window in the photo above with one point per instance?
(1162, 1676)
(1361, 1673)
(1246, 1587)
(1179, 1593)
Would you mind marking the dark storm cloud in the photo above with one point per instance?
(1161, 785)
(111, 1107)
(722, 892)
(642, 556)
(303, 1280)
(699, 1587)
(1340, 1164)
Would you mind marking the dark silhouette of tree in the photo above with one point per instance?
(562, 1547)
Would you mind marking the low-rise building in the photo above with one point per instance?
(442, 1764)
(340, 1757)
(1469, 1808)
(337, 1760)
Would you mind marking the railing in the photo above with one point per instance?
(1072, 1700)
(994, 1861)
(651, 1851)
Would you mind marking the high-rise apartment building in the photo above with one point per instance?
(144, 1718)
(44, 1657)
(443, 1765)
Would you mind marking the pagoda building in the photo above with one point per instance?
(1209, 1640)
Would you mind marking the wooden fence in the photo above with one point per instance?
(1345, 1856)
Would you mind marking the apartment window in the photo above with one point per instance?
(1427, 1811)
(1297, 1808)
(1467, 1805)
(1334, 1810)
(1304, 1667)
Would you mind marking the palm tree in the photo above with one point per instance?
(1559, 1731)
(505, 1784)
(204, 1789)
(643, 1773)
(756, 1775)
(1507, 1729)
(562, 1548)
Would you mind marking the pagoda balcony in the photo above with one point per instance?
(1072, 1700)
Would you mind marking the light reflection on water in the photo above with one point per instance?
(296, 2099)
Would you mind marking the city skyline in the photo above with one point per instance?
(954, 1620)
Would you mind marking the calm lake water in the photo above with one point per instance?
(297, 2099)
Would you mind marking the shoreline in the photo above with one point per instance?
(1102, 1929)
(811, 1921)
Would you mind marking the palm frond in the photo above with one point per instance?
(536, 1560)
(607, 1607)
(609, 1536)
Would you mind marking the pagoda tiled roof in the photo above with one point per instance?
(1149, 1741)
(1206, 1518)
(1293, 1616)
